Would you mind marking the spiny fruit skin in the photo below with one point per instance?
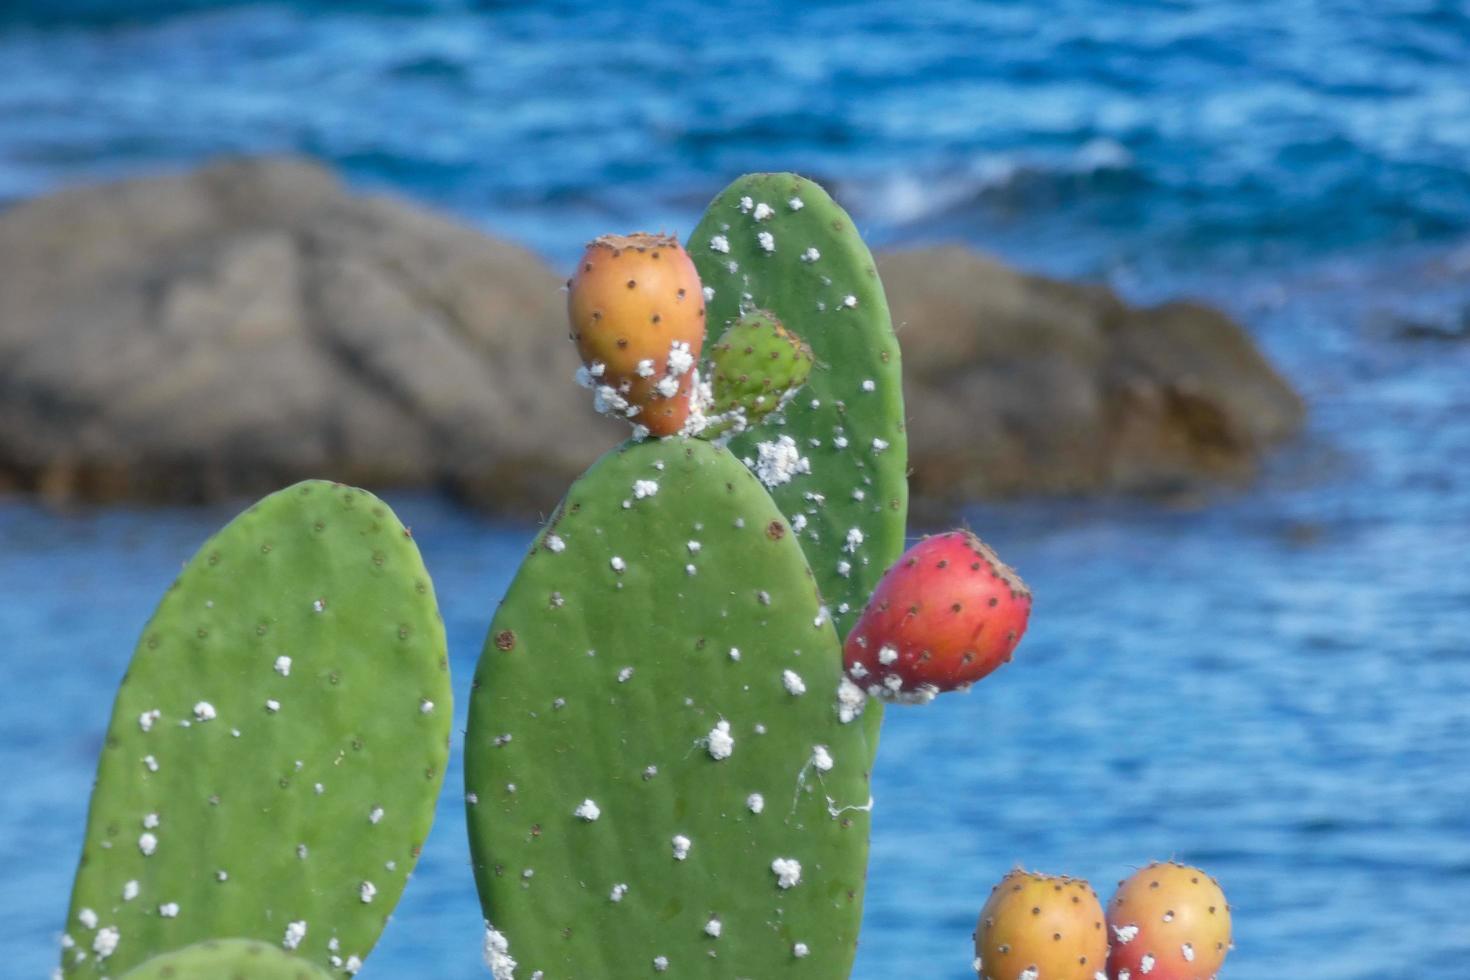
(631, 300)
(755, 366)
(1041, 927)
(947, 613)
(1168, 921)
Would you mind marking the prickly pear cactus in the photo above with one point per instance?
(235, 959)
(754, 367)
(836, 458)
(276, 745)
(658, 773)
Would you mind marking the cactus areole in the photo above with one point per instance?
(945, 615)
(637, 318)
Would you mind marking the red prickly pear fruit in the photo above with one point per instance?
(637, 315)
(1168, 922)
(1041, 927)
(946, 614)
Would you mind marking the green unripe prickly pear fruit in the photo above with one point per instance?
(757, 364)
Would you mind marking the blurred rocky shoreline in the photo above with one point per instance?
(227, 330)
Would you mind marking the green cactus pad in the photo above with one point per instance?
(756, 365)
(227, 959)
(276, 745)
(660, 657)
(836, 458)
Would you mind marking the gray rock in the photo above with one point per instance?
(235, 328)
(1018, 384)
(241, 326)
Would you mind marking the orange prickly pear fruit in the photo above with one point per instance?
(1041, 927)
(637, 316)
(1168, 922)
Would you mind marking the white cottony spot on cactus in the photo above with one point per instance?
(1030, 973)
(713, 928)
(617, 564)
(850, 700)
(301, 851)
(272, 705)
(606, 401)
(1125, 934)
(719, 243)
(583, 377)
(87, 918)
(779, 461)
(810, 255)
(319, 605)
(858, 671)
(798, 523)
(367, 891)
(618, 891)
(147, 843)
(869, 384)
(660, 964)
(354, 963)
(150, 821)
(283, 665)
(787, 872)
(767, 241)
(840, 441)
(644, 488)
(793, 682)
(1168, 916)
(221, 875)
(795, 204)
(496, 951)
(720, 742)
(105, 942)
(763, 211)
(854, 539)
(887, 655)
(668, 386)
(645, 368)
(1125, 974)
(1187, 951)
(1146, 965)
(844, 568)
(800, 950)
(555, 544)
(147, 718)
(169, 910)
(879, 445)
(204, 711)
(587, 810)
(746, 203)
(375, 814)
(130, 890)
(150, 763)
(734, 653)
(755, 803)
(295, 932)
(694, 547)
(680, 359)
(709, 293)
(425, 705)
(681, 846)
(821, 758)
(849, 301)
(624, 675)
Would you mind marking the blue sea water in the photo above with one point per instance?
(1271, 683)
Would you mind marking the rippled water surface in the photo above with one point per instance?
(1272, 683)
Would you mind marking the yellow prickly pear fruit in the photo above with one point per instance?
(637, 315)
(1041, 927)
(1168, 922)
